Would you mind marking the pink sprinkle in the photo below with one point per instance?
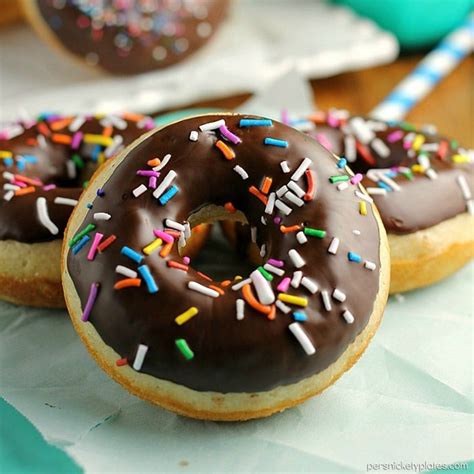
(285, 117)
(163, 236)
(395, 136)
(284, 285)
(149, 124)
(332, 121)
(407, 144)
(276, 263)
(152, 182)
(277, 220)
(19, 183)
(76, 140)
(324, 141)
(148, 173)
(95, 243)
(3, 136)
(186, 260)
(90, 301)
(225, 132)
(49, 187)
(357, 178)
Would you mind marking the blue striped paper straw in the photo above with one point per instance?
(432, 69)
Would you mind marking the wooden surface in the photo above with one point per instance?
(450, 106)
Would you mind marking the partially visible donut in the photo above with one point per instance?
(245, 347)
(127, 37)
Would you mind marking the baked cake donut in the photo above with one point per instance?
(248, 346)
(422, 184)
(127, 37)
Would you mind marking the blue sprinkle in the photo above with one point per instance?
(89, 205)
(20, 164)
(353, 257)
(383, 185)
(8, 162)
(30, 159)
(255, 123)
(300, 316)
(391, 174)
(130, 253)
(168, 195)
(148, 277)
(342, 163)
(80, 244)
(275, 142)
(95, 152)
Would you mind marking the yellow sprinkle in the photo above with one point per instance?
(417, 142)
(101, 158)
(418, 169)
(153, 246)
(5, 154)
(238, 278)
(186, 316)
(363, 208)
(290, 299)
(460, 159)
(97, 139)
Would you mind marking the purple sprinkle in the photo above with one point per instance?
(357, 178)
(48, 187)
(90, 301)
(277, 220)
(225, 132)
(100, 192)
(186, 260)
(276, 263)
(395, 136)
(148, 173)
(76, 140)
(152, 182)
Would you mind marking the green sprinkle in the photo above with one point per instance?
(85, 184)
(81, 234)
(338, 179)
(183, 347)
(314, 232)
(267, 275)
(408, 174)
(454, 144)
(78, 161)
(408, 127)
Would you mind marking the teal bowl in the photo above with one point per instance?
(417, 24)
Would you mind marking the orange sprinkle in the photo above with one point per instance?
(32, 141)
(154, 162)
(226, 151)
(205, 276)
(132, 117)
(173, 233)
(108, 241)
(199, 228)
(25, 179)
(177, 265)
(22, 191)
(60, 124)
(318, 118)
(286, 230)
(252, 301)
(127, 282)
(219, 290)
(253, 190)
(43, 129)
(121, 362)
(365, 154)
(61, 138)
(107, 132)
(225, 283)
(229, 207)
(272, 314)
(266, 184)
(166, 249)
(311, 188)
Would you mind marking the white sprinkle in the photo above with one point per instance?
(140, 356)
(270, 204)
(282, 307)
(284, 167)
(240, 284)
(411, 153)
(283, 207)
(342, 186)
(263, 220)
(431, 173)
(390, 182)
(281, 191)
(380, 147)
(326, 300)
(470, 206)
(115, 121)
(167, 180)
(174, 225)
(65, 201)
(102, 216)
(206, 127)
(272, 269)
(429, 147)
(339, 295)
(296, 258)
(187, 230)
(296, 189)
(263, 288)
(77, 123)
(424, 161)
(263, 250)
(182, 240)
(302, 338)
(293, 198)
(253, 234)
(8, 195)
(296, 280)
(356, 232)
(204, 290)
(15, 131)
(360, 129)
(310, 285)
(301, 169)
(139, 190)
(370, 265)
(301, 238)
(333, 246)
(128, 272)
(466, 191)
(163, 163)
(42, 209)
(409, 137)
(114, 147)
(239, 307)
(8, 176)
(71, 169)
(10, 187)
(347, 315)
(363, 196)
(239, 170)
(193, 136)
(380, 191)
(41, 141)
(350, 148)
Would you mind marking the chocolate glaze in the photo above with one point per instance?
(254, 354)
(422, 202)
(179, 28)
(18, 217)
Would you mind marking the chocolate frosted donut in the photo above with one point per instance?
(248, 346)
(43, 168)
(422, 184)
(127, 37)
